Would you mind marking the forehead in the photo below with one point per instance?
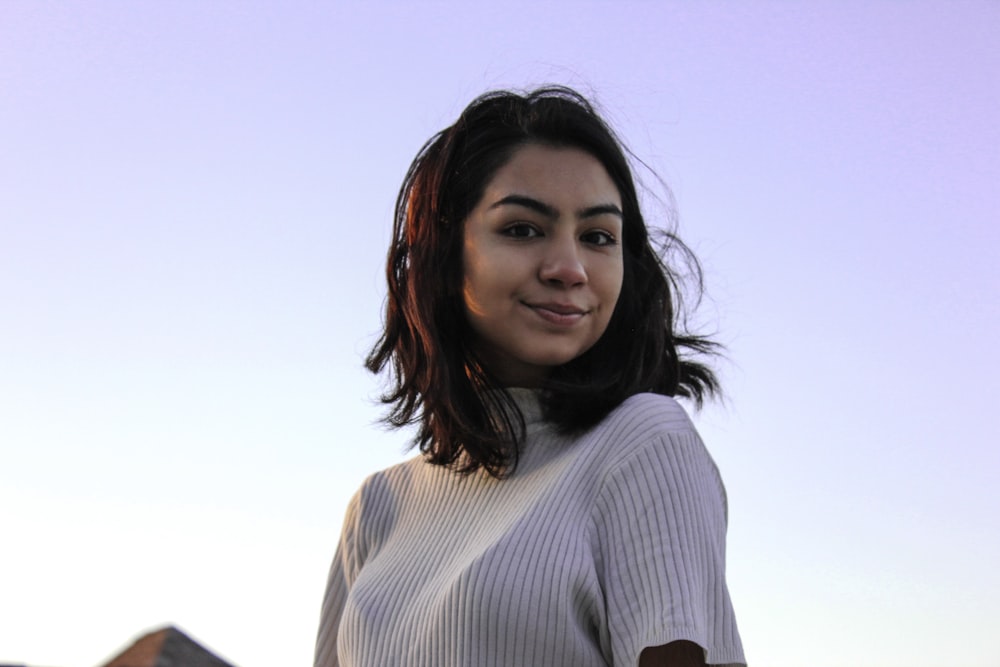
(553, 174)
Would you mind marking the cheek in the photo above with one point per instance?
(484, 279)
(615, 289)
(469, 277)
(615, 284)
(470, 300)
(620, 278)
(475, 291)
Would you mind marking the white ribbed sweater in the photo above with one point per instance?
(595, 548)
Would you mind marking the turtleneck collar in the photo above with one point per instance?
(529, 403)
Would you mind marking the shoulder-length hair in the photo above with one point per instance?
(465, 420)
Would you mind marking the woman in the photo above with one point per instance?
(563, 510)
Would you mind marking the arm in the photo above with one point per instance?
(674, 654)
(343, 570)
(660, 523)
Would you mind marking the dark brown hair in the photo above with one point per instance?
(465, 420)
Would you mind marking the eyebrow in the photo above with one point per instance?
(550, 212)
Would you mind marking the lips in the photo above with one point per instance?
(563, 314)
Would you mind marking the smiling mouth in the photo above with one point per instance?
(559, 314)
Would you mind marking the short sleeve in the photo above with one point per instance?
(660, 526)
(343, 570)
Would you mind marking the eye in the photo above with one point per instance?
(599, 237)
(520, 230)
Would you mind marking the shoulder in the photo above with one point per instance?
(653, 434)
(654, 410)
(374, 505)
(644, 418)
(393, 480)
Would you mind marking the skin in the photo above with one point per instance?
(543, 268)
(674, 654)
(543, 262)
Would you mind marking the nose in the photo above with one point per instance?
(562, 264)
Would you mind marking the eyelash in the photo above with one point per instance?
(511, 230)
(606, 238)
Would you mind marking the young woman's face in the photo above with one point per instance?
(543, 262)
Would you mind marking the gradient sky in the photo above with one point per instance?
(195, 203)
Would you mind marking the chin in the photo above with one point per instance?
(554, 359)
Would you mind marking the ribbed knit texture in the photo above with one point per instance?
(595, 548)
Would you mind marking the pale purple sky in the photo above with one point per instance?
(195, 202)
